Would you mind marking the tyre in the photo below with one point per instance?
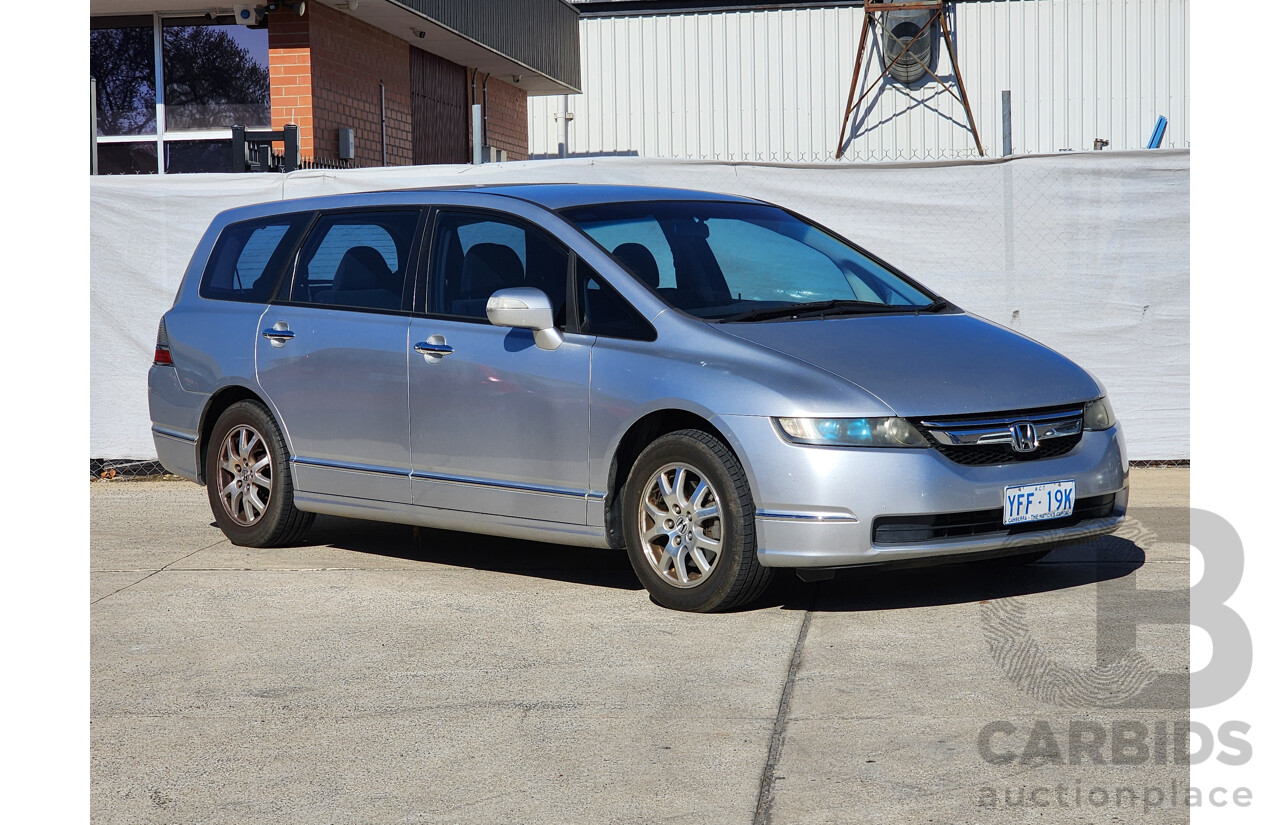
(248, 479)
(690, 525)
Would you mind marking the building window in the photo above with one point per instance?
(130, 158)
(195, 156)
(212, 74)
(122, 61)
(215, 76)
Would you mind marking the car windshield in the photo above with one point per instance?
(745, 262)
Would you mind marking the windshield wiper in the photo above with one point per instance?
(825, 308)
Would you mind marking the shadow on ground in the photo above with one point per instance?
(554, 562)
(873, 589)
(850, 591)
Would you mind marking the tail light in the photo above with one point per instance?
(162, 346)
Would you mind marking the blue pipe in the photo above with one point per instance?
(1157, 136)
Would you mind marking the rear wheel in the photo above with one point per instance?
(248, 479)
(689, 522)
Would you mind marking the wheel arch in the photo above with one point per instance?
(640, 434)
(213, 410)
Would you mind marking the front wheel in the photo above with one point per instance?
(248, 479)
(689, 521)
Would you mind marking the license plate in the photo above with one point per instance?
(1037, 502)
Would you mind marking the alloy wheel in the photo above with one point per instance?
(680, 525)
(244, 475)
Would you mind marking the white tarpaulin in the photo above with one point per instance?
(1088, 253)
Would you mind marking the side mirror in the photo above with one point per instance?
(525, 308)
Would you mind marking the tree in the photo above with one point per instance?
(122, 61)
(211, 81)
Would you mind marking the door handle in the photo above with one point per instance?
(434, 349)
(278, 334)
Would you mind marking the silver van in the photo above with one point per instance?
(715, 383)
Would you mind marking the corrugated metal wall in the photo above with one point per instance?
(441, 116)
(772, 85)
(537, 33)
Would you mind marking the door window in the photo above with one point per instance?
(477, 254)
(602, 311)
(356, 261)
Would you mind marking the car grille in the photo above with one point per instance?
(987, 439)
(889, 530)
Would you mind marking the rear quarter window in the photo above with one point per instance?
(248, 258)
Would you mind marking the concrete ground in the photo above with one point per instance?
(384, 674)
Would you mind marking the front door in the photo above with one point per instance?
(499, 426)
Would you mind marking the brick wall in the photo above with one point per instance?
(508, 122)
(325, 71)
(289, 43)
(348, 60)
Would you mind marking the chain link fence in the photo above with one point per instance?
(127, 469)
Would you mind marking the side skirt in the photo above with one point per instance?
(577, 535)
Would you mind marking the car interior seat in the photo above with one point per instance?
(486, 268)
(363, 279)
(637, 258)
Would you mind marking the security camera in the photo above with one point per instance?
(246, 15)
(419, 33)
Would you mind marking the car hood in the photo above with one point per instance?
(930, 364)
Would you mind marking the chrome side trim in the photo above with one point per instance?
(190, 439)
(822, 517)
(359, 468)
(446, 479)
(502, 485)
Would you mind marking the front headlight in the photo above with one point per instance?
(851, 432)
(1098, 415)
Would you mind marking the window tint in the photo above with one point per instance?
(602, 311)
(247, 259)
(475, 255)
(356, 260)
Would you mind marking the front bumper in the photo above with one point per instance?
(816, 506)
